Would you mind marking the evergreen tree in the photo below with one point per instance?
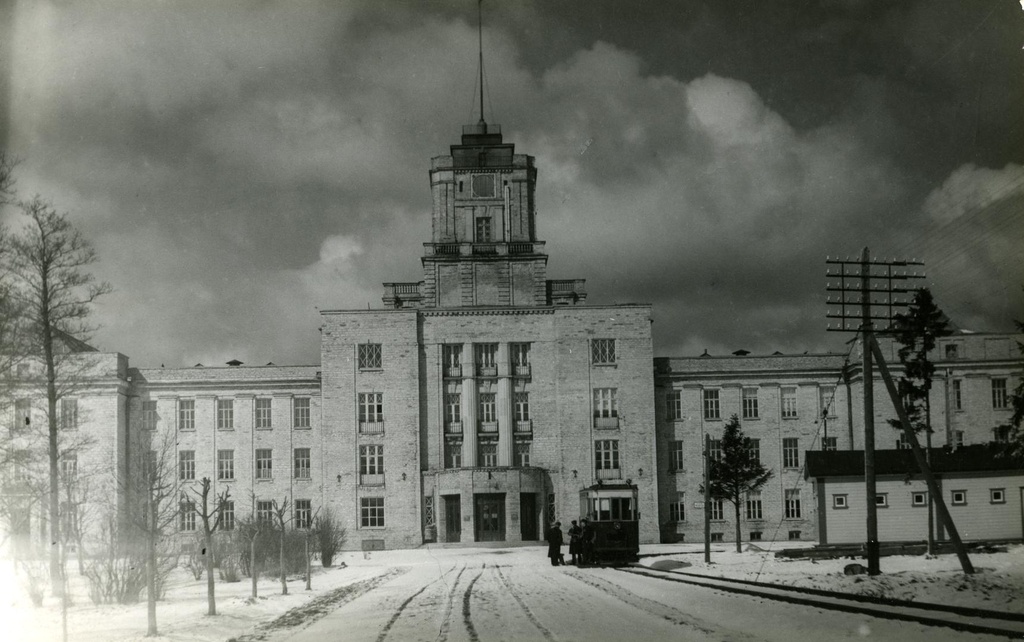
(737, 472)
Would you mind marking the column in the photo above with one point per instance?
(469, 424)
(503, 401)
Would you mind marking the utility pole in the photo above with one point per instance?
(707, 498)
(863, 284)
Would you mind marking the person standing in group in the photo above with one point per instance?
(574, 543)
(555, 544)
(587, 535)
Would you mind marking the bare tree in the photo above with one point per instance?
(282, 518)
(47, 264)
(309, 534)
(211, 513)
(154, 496)
(249, 530)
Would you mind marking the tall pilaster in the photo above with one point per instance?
(469, 407)
(504, 402)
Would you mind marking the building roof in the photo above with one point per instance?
(850, 463)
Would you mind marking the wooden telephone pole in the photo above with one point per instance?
(871, 290)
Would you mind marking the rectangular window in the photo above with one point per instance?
(453, 410)
(488, 408)
(951, 351)
(371, 512)
(840, 501)
(486, 359)
(606, 454)
(715, 449)
(789, 403)
(1001, 434)
(371, 407)
(791, 452)
(959, 497)
(674, 405)
(675, 456)
(712, 409)
(371, 464)
(958, 438)
(521, 406)
(186, 465)
(22, 412)
(483, 229)
(522, 454)
(149, 416)
(227, 516)
(303, 513)
(999, 394)
(150, 469)
(717, 537)
(264, 413)
(488, 454)
(754, 506)
(677, 509)
(264, 463)
(602, 351)
(919, 499)
(265, 512)
(429, 515)
(828, 401)
(753, 450)
(68, 466)
(225, 465)
(882, 500)
(451, 357)
(225, 414)
(793, 504)
(794, 535)
(187, 515)
(750, 406)
(997, 496)
(830, 443)
(958, 398)
(186, 414)
(717, 510)
(302, 464)
(301, 412)
(69, 413)
(756, 536)
(605, 405)
(370, 356)
(520, 355)
(453, 454)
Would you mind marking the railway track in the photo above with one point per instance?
(970, 620)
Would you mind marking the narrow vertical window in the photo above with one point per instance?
(301, 412)
(789, 403)
(675, 456)
(303, 513)
(69, 414)
(791, 452)
(186, 465)
(520, 356)
(264, 412)
(371, 512)
(225, 465)
(149, 416)
(712, 409)
(999, 399)
(225, 414)
(958, 399)
(674, 405)
(227, 516)
(264, 463)
(750, 407)
(302, 463)
(792, 504)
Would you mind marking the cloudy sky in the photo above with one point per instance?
(240, 165)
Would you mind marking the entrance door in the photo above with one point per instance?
(528, 516)
(452, 518)
(490, 518)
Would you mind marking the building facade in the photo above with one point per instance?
(477, 403)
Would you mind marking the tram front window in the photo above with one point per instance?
(613, 508)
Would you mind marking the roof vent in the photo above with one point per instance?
(234, 362)
(741, 353)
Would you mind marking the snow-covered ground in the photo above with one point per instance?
(998, 582)
(999, 585)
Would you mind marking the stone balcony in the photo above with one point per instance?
(566, 291)
(494, 248)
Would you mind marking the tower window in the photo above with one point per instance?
(483, 185)
(483, 229)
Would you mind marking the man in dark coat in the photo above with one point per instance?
(554, 538)
(587, 536)
(574, 542)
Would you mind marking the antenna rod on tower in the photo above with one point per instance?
(480, 30)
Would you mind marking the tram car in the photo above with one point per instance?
(611, 510)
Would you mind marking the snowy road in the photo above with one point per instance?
(515, 595)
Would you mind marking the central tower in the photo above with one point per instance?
(483, 250)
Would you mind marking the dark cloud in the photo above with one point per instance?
(240, 165)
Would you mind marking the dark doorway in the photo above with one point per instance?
(528, 516)
(452, 518)
(490, 517)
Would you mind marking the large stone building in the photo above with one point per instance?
(478, 402)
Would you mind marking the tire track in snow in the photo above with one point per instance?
(657, 609)
(466, 617)
(442, 633)
(548, 635)
(401, 607)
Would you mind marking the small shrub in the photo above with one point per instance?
(196, 561)
(229, 570)
(328, 537)
(34, 582)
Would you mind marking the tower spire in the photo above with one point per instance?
(480, 34)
